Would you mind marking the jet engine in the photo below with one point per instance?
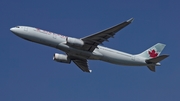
(74, 42)
(61, 58)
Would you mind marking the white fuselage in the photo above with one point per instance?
(59, 41)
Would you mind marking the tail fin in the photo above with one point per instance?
(157, 59)
(152, 55)
(153, 52)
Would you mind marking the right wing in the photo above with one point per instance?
(92, 41)
(152, 68)
(154, 61)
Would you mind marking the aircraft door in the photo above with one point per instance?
(54, 35)
(25, 28)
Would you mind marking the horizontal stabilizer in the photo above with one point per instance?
(154, 61)
(157, 59)
(152, 68)
(153, 51)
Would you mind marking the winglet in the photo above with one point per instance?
(130, 20)
(90, 71)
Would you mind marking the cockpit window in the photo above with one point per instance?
(17, 27)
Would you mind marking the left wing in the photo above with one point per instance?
(92, 41)
(82, 64)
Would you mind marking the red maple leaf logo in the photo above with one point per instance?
(153, 53)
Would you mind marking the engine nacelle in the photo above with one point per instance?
(74, 42)
(61, 58)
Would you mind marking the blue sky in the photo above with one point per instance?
(28, 73)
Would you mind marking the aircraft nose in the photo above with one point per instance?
(12, 29)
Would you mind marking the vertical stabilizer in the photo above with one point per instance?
(153, 52)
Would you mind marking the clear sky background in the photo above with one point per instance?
(28, 73)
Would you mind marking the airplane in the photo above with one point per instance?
(90, 47)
